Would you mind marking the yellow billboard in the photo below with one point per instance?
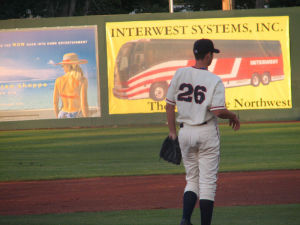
(254, 63)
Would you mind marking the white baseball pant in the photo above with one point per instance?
(200, 147)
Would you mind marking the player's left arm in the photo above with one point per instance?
(170, 109)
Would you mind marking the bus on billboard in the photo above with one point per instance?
(145, 67)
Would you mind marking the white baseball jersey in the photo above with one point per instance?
(196, 92)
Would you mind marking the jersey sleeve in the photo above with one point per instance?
(218, 99)
(171, 98)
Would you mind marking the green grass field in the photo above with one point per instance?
(74, 153)
(238, 215)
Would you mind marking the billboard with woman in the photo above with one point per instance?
(45, 72)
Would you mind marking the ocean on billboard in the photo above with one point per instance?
(36, 94)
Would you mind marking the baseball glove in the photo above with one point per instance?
(170, 151)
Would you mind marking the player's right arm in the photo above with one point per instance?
(219, 109)
(226, 114)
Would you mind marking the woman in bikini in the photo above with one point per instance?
(71, 89)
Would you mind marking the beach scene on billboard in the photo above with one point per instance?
(48, 73)
(145, 67)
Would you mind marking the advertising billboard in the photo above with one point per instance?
(254, 63)
(48, 73)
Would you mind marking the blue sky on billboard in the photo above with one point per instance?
(31, 54)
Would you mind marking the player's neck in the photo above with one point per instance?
(201, 64)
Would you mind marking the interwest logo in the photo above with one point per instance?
(263, 62)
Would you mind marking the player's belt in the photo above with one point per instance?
(181, 125)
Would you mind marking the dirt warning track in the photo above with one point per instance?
(143, 192)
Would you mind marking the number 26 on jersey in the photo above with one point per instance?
(189, 93)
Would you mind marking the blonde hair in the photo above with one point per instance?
(76, 72)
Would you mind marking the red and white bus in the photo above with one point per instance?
(144, 68)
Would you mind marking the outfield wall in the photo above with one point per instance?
(107, 119)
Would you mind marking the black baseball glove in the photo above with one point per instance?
(170, 151)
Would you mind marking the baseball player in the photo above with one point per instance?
(200, 98)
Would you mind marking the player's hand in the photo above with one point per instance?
(172, 135)
(234, 123)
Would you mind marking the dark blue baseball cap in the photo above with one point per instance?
(203, 46)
